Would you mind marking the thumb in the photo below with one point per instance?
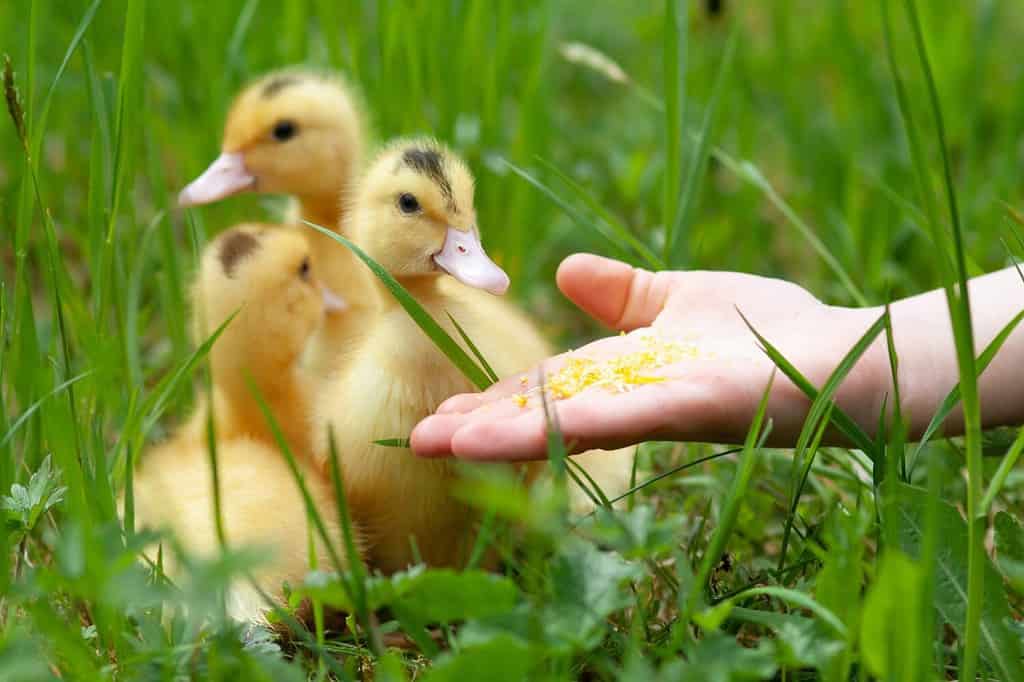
(616, 294)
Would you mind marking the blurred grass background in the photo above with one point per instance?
(806, 109)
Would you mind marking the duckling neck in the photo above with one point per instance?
(322, 211)
(336, 266)
(425, 289)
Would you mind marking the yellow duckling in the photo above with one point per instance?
(300, 133)
(265, 275)
(414, 215)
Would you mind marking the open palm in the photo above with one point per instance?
(710, 395)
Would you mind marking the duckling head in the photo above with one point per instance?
(266, 275)
(290, 132)
(413, 213)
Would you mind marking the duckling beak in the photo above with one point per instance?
(332, 302)
(225, 176)
(463, 257)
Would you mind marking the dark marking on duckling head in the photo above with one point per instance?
(279, 83)
(237, 245)
(430, 163)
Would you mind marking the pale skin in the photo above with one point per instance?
(712, 395)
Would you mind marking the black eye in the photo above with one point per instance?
(407, 203)
(284, 130)
(304, 269)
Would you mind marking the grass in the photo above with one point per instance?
(867, 152)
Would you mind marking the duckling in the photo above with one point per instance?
(299, 132)
(413, 214)
(264, 277)
(261, 507)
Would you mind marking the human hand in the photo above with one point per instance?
(711, 395)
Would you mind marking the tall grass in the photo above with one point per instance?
(866, 152)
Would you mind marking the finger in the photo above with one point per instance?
(617, 294)
(597, 420)
(432, 436)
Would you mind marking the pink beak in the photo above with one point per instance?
(463, 257)
(332, 302)
(225, 176)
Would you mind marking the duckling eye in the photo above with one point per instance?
(284, 130)
(407, 203)
(304, 269)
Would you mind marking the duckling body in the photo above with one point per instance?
(261, 507)
(387, 388)
(413, 213)
(263, 278)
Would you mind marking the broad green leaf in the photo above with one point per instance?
(799, 642)
(587, 586)
(503, 659)
(636, 533)
(999, 648)
(444, 595)
(1010, 549)
(838, 583)
(720, 658)
(428, 595)
(889, 629)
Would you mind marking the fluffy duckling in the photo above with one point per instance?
(261, 507)
(413, 214)
(300, 133)
(264, 277)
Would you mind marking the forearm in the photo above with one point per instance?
(923, 336)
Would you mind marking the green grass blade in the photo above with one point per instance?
(393, 442)
(592, 487)
(40, 120)
(1005, 467)
(953, 397)
(491, 374)
(808, 454)
(674, 65)
(958, 301)
(358, 572)
(282, 445)
(846, 425)
(672, 472)
(445, 343)
(619, 237)
(752, 174)
(756, 436)
(618, 230)
(676, 246)
(27, 414)
(800, 599)
(211, 453)
(153, 407)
